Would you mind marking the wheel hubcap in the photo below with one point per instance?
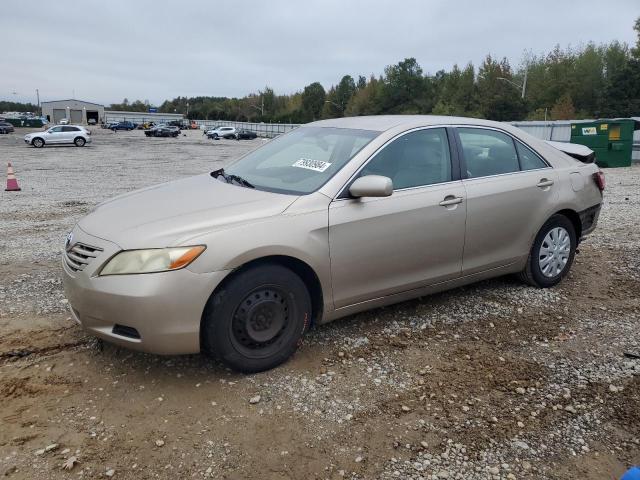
(261, 318)
(554, 252)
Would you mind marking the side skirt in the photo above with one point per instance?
(419, 292)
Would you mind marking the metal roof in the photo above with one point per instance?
(72, 100)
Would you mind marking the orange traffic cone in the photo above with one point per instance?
(12, 182)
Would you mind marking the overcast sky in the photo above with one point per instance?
(104, 51)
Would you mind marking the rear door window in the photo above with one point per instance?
(487, 152)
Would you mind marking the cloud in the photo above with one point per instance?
(105, 51)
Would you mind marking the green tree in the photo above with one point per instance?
(313, 97)
(635, 51)
(563, 109)
(367, 100)
(498, 98)
(622, 91)
(344, 91)
(457, 92)
(405, 89)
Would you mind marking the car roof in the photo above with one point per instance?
(381, 123)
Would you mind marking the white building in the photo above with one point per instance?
(76, 111)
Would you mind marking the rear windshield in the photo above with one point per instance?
(301, 161)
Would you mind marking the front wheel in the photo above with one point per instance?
(38, 142)
(79, 142)
(257, 319)
(552, 253)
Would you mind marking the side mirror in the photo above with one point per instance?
(371, 186)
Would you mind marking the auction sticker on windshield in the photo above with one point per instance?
(315, 165)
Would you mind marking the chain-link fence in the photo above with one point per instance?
(268, 130)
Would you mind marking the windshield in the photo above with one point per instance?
(301, 161)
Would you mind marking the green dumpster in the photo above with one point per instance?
(25, 122)
(611, 140)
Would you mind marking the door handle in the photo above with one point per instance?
(544, 183)
(450, 200)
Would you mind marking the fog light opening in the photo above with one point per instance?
(125, 331)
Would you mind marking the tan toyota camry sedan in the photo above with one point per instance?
(333, 218)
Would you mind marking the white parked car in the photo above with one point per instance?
(222, 132)
(64, 121)
(60, 134)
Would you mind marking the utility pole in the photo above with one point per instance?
(522, 87)
(38, 96)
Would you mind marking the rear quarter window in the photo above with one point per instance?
(529, 160)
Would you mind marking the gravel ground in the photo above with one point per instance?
(491, 381)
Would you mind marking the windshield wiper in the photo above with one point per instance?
(229, 178)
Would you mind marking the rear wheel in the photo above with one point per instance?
(256, 320)
(552, 253)
(79, 142)
(37, 142)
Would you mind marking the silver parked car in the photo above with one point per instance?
(333, 218)
(60, 134)
(221, 132)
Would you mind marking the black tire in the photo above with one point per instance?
(37, 142)
(79, 142)
(533, 273)
(257, 319)
(215, 136)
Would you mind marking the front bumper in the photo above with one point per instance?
(164, 308)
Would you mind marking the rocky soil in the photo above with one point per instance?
(491, 381)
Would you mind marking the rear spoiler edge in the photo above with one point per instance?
(579, 152)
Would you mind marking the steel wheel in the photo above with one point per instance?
(554, 252)
(257, 318)
(260, 320)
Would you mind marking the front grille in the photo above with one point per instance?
(80, 255)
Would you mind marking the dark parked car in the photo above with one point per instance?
(162, 131)
(244, 134)
(6, 127)
(123, 126)
(176, 123)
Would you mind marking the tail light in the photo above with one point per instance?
(598, 177)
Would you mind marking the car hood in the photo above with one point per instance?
(172, 213)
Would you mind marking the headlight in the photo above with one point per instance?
(152, 260)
